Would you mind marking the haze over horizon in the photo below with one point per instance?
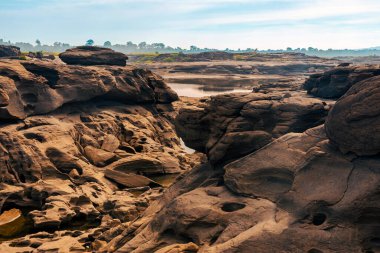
(216, 24)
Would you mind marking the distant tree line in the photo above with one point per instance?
(144, 47)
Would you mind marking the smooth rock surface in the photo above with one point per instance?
(354, 122)
(92, 55)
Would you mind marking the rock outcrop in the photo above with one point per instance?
(297, 194)
(30, 88)
(91, 55)
(227, 127)
(71, 138)
(354, 122)
(9, 51)
(336, 82)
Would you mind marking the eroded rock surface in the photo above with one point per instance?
(336, 82)
(32, 88)
(91, 55)
(354, 122)
(227, 127)
(297, 194)
(55, 167)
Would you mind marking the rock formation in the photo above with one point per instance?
(297, 194)
(91, 55)
(227, 127)
(84, 151)
(354, 122)
(336, 82)
(71, 138)
(9, 51)
(30, 88)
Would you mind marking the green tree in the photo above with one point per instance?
(107, 44)
(90, 42)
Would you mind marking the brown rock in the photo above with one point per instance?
(230, 126)
(4, 98)
(110, 143)
(42, 87)
(99, 157)
(354, 122)
(298, 193)
(9, 51)
(336, 82)
(89, 55)
(129, 180)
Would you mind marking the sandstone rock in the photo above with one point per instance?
(129, 180)
(9, 51)
(354, 122)
(296, 194)
(110, 143)
(42, 87)
(230, 126)
(89, 55)
(336, 82)
(99, 157)
(11, 222)
(179, 248)
(138, 164)
(49, 164)
(4, 98)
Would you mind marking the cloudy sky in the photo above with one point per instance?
(206, 23)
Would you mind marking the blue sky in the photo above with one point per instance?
(206, 23)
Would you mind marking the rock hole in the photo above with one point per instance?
(315, 251)
(232, 207)
(35, 136)
(319, 219)
(139, 148)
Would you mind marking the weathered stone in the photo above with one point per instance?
(90, 55)
(354, 122)
(230, 126)
(9, 51)
(99, 157)
(336, 82)
(110, 143)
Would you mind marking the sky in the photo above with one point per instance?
(262, 24)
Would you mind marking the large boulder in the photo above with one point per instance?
(336, 82)
(354, 122)
(227, 127)
(9, 51)
(29, 88)
(90, 55)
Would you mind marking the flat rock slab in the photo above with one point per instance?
(89, 55)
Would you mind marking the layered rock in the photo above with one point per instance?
(90, 55)
(354, 122)
(227, 127)
(30, 88)
(9, 51)
(91, 122)
(336, 82)
(297, 194)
